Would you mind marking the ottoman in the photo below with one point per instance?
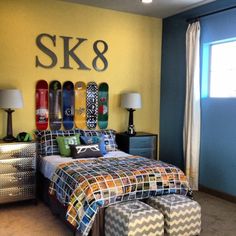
(133, 218)
(182, 216)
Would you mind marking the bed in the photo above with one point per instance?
(79, 190)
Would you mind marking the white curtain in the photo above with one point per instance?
(192, 117)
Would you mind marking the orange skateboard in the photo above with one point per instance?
(80, 105)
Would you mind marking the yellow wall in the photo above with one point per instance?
(134, 56)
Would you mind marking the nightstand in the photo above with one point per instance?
(17, 171)
(141, 144)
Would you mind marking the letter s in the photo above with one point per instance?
(46, 50)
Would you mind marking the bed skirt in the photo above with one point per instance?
(58, 209)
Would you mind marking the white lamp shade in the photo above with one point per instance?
(131, 100)
(10, 98)
(146, 1)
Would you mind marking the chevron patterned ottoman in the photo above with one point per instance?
(133, 218)
(182, 216)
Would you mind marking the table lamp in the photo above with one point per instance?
(9, 100)
(131, 101)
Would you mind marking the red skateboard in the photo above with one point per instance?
(41, 105)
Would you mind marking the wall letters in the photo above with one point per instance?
(69, 48)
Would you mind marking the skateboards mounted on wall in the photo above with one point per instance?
(78, 105)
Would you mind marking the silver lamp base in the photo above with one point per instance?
(131, 130)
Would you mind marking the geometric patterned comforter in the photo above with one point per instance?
(85, 185)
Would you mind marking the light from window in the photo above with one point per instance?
(223, 70)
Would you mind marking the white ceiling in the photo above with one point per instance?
(158, 8)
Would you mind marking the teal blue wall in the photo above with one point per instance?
(218, 132)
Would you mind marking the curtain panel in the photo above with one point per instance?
(192, 116)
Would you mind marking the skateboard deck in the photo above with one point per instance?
(41, 96)
(68, 99)
(80, 105)
(55, 105)
(92, 105)
(103, 105)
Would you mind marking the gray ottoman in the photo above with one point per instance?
(133, 218)
(182, 216)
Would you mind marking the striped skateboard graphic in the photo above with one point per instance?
(103, 105)
(41, 97)
(55, 119)
(68, 99)
(80, 105)
(92, 105)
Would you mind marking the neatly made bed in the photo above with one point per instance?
(79, 189)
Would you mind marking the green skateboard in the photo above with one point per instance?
(103, 105)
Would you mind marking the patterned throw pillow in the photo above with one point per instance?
(46, 140)
(110, 140)
(109, 136)
(85, 151)
(65, 142)
(95, 140)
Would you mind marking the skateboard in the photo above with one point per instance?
(55, 105)
(103, 105)
(92, 105)
(80, 105)
(41, 97)
(68, 96)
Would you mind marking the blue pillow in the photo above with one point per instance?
(95, 140)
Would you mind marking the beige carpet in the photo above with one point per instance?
(218, 219)
(218, 215)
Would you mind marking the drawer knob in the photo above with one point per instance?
(16, 179)
(13, 195)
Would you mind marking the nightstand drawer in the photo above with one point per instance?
(17, 150)
(143, 142)
(17, 171)
(17, 165)
(16, 194)
(19, 179)
(145, 152)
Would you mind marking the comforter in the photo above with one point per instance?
(86, 185)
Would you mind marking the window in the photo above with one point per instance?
(222, 69)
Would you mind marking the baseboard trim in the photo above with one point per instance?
(217, 193)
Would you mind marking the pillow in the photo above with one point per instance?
(89, 133)
(109, 137)
(95, 140)
(65, 142)
(85, 151)
(46, 140)
(110, 140)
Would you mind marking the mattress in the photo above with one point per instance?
(48, 164)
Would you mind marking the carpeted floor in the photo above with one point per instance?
(218, 219)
